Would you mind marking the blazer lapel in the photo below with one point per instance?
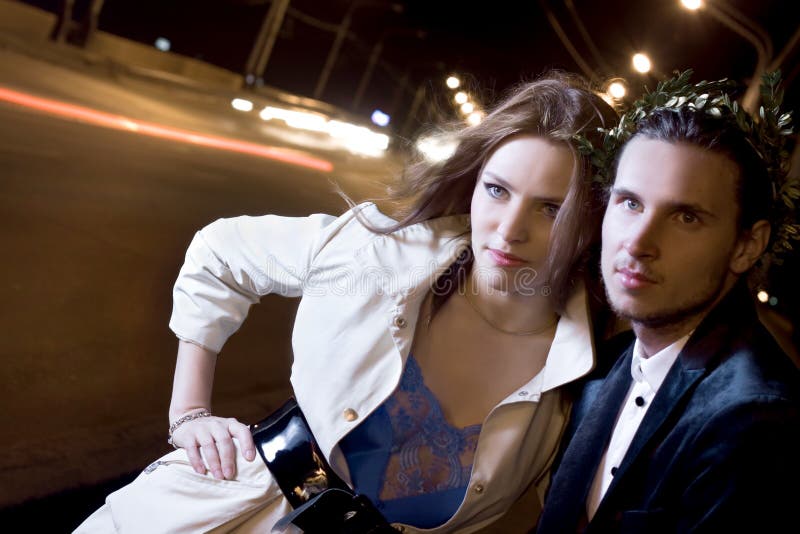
(698, 356)
(677, 383)
(566, 500)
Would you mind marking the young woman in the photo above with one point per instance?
(429, 349)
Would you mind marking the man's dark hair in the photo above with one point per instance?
(697, 128)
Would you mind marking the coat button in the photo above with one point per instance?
(400, 322)
(478, 488)
(350, 415)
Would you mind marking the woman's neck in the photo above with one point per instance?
(510, 312)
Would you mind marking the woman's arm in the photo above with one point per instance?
(230, 264)
(191, 393)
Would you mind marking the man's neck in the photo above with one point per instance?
(654, 340)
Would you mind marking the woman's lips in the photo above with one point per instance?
(504, 259)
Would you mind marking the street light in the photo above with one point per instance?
(341, 33)
(452, 82)
(617, 90)
(692, 5)
(736, 21)
(642, 63)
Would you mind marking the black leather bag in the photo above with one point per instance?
(322, 501)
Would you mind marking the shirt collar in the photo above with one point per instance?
(654, 369)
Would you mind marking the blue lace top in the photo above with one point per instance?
(408, 459)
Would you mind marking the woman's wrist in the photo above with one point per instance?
(177, 413)
(185, 418)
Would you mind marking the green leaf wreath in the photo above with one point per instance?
(768, 132)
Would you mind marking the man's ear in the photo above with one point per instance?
(749, 247)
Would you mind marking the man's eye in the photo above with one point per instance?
(688, 218)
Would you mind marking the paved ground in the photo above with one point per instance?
(95, 224)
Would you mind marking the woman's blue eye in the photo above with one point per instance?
(631, 204)
(495, 191)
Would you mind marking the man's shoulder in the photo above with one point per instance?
(754, 366)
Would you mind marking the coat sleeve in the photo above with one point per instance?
(232, 263)
(746, 465)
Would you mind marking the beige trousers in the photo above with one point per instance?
(169, 497)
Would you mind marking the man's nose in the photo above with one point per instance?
(642, 238)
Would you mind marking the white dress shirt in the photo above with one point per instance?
(648, 375)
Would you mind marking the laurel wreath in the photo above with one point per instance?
(768, 132)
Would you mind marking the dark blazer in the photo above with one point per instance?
(718, 450)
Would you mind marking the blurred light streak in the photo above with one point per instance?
(118, 122)
(380, 118)
(241, 104)
(436, 148)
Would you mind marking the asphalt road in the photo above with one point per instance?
(95, 223)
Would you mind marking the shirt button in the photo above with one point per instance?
(613, 471)
(478, 488)
(350, 415)
(400, 322)
(522, 393)
(639, 401)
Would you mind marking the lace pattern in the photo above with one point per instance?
(427, 454)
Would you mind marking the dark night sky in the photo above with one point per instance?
(495, 43)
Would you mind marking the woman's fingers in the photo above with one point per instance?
(193, 452)
(245, 438)
(209, 445)
(210, 454)
(226, 453)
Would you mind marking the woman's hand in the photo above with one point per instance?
(211, 439)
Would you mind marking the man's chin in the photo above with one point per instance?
(662, 318)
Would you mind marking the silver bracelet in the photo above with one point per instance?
(184, 419)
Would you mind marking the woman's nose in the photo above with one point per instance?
(513, 227)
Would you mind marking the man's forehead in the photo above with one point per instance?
(677, 173)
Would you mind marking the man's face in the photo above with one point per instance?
(669, 234)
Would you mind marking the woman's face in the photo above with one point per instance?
(516, 200)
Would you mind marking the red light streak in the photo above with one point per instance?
(119, 122)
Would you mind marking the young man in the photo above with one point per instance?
(696, 426)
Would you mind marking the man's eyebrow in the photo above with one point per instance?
(622, 192)
(671, 205)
